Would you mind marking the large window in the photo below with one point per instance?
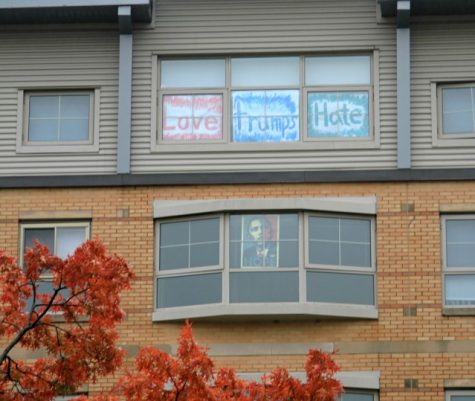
(273, 101)
(457, 110)
(458, 250)
(58, 121)
(264, 258)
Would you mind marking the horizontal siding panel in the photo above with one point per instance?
(65, 59)
(225, 27)
(440, 53)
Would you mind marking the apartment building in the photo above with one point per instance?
(285, 174)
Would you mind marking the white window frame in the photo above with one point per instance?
(438, 137)
(23, 145)
(450, 393)
(226, 308)
(304, 142)
(49, 225)
(453, 271)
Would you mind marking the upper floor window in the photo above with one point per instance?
(457, 110)
(273, 101)
(59, 121)
(458, 250)
(230, 261)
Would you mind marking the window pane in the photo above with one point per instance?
(69, 238)
(74, 129)
(44, 106)
(265, 71)
(457, 111)
(193, 73)
(338, 114)
(460, 247)
(265, 116)
(339, 241)
(192, 117)
(42, 130)
(189, 290)
(264, 287)
(349, 396)
(460, 289)
(340, 288)
(42, 235)
(339, 70)
(74, 106)
(174, 233)
(186, 244)
(266, 240)
(462, 398)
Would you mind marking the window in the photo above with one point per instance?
(254, 262)
(356, 395)
(61, 238)
(458, 250)
(462, 395)
(274, 102)
(58, 121)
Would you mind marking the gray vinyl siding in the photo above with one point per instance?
(441, 52)
(237, 27)
(50, 59)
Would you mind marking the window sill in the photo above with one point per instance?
(85, 148)
(467, 311)
(271, 311)
(266, 147)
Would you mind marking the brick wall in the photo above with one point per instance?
(428, 347)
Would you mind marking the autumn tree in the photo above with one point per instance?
(190, 376)
(73, 323)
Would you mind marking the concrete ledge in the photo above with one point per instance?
(362, 205)
(54, 214)
(264, 177)
(271, 311)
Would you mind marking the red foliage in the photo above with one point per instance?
(85, 297)
(191, 377)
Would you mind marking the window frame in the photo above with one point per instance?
(26, 146)
(304, 142)
(48, 225)
(350, 390)
(453, 271)
(226, 307)
(439, 139)
(450, 393)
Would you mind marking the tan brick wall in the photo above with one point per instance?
(408, 275)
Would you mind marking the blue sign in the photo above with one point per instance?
(338, 114)
(265, 116)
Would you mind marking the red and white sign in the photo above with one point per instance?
(192, 117)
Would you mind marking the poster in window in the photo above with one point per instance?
(192, 117)
(260, 245)
(338, 115)
(265, 116)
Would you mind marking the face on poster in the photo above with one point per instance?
(338, 114)
(192, 117)
(265, 116)
(260, 243)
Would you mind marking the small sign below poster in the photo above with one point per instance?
(192, 117)
(338, 114)
(265, 116)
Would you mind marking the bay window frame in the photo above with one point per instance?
(300, 307)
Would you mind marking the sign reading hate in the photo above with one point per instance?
(338, 114)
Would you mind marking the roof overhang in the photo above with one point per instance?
(71, 11)
(429, 7)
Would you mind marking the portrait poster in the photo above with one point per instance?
(265, 116)
(192, 117)
(260, 240)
